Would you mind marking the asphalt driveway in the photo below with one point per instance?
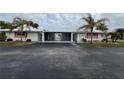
(61, 61)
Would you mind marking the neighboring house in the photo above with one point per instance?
(26, 35)
(52, 36)
(15, 35)
(97, 36)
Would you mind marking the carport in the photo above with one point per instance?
(57, 37)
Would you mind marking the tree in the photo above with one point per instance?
(3, 25)
(114, 36)
(19, 23)
(7, 25)
(2, 36)
(103, 27)
(121, 32)
(31, 24)
(91, 23)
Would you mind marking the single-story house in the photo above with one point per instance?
(15, 35)
(97, 35)
(52, 36)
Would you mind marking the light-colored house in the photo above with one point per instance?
(97, 36)
(36, 35)
(15, 35)
(26, 35)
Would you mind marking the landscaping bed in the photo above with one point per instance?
(119, 43)
(16, 43)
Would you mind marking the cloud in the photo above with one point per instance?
(64, 21)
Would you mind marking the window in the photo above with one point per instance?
(95, 35)
(21, 34)
(102, 35)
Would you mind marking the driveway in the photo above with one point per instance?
(61, 61)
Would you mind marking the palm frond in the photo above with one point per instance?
(102, 27)
(102, 20)
(17, 18)
(89, 19)
(86, 19)
(35, 25)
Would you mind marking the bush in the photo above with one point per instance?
(9, 39)
(104, 40)
(18, 41)
(28, 40)
(84, 40)
(2, 37)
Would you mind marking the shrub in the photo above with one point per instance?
(84, 40)
(2, 37)
(104, 40)
(9, 39)
(28, 40)
(18, 41)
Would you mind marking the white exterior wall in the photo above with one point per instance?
(10, 35)
(32, 36)
(81, 36)
(97, 39)
(100, 37)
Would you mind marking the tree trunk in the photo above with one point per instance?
(123, 36)
(106, 37)
(21, 36)
(21, 32)
(91, 35)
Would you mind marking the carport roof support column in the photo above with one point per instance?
(42, 36)
(71, 37)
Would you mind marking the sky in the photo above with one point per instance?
(65, 21)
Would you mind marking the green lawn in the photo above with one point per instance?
(119, 43)
(14, 43)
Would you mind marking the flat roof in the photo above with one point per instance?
(15, 30)
(38, 30)
(57, 32)
(20, 31)
(25, 29)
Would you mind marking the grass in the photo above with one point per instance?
(16, 43)
(119, 43)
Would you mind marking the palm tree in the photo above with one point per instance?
(6, 25)
(2, 23)
(31, 24)
(2, 35)
(114, 36)
(103, 27)
(91, 23)
(20, 23)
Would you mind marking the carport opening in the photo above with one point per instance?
(57, 36)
